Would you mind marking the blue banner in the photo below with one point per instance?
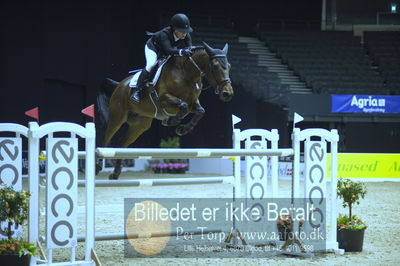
(344, 103)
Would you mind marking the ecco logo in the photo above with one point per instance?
(10, 167)
(12, 155)
(257, 186)
(62, 188)
(316, 182)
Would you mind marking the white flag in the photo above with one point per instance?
(297, 118)
(235, 120)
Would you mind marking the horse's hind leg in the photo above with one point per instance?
(112, 128)
(117, 169)
(115, 121)
(137, 125)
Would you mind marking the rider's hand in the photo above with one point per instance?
(186, 52)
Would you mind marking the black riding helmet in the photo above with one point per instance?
(180, 22)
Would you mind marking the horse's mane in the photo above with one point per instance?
(215, 53)
(197, 49)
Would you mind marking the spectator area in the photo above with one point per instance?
(384, 49)
(329, 62)
(246, 74)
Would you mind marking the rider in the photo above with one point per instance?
(172, 40)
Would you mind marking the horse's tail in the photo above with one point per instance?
(103, 97)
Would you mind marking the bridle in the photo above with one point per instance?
(219, 85)
(223, 82)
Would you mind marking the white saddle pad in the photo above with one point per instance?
(135, 77)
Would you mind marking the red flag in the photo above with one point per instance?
(89, 111)
(34, 113)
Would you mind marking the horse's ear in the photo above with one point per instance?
(208, 48)
(225, 50)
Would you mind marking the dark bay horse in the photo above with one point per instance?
(178, 89)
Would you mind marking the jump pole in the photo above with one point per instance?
(161, 182)
(151, 153)
(119, 236)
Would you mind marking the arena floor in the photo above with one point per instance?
(380, 210)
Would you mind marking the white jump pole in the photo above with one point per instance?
(161, 182)
(33, 173)
(149, 153)
(90, 164)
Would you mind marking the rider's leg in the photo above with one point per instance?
(141, 83)
(151, 60)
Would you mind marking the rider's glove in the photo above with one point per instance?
(186, 52)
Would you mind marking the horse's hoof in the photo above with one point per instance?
(113, 176)
(174, 122)
(182, 130)
(165, 122)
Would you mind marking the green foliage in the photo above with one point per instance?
(14, 209)
(17, 246)
(173, 142)
(350, 191)
(344, 222)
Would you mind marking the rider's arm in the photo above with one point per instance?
(165, 44)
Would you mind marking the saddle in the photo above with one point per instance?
(155, 73)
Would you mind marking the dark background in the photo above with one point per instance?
(55, 54)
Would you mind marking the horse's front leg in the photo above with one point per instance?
(173, 104)
(198, 113)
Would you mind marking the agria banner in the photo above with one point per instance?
(365, 104)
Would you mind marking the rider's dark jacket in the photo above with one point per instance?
(164, 44)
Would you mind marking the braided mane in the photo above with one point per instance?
(197, 49)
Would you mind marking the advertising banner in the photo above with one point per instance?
(368, 165)
(346, 103)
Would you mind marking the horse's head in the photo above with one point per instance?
(219, 72)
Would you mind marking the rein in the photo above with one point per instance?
(197, 66)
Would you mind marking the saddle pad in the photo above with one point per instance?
(135, 77)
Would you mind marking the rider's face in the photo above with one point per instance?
(180, 35)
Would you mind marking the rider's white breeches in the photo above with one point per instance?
(151, 58)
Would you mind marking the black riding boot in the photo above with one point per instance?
(141, 83)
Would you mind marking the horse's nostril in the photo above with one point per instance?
(226, 96)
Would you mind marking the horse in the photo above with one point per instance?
(178, 88)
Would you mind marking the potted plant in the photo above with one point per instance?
(14, 211)
(284, 224)
(154, 166)
(172, 166)
(350, 228)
